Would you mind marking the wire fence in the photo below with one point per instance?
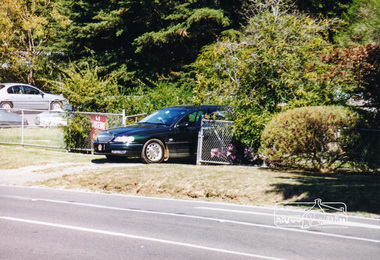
(217, 146)
(45, 128)
(215, 142)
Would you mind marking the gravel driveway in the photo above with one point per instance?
(29, 174)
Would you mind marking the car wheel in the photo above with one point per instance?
(55, 105)
(153, 151)
(6, 105)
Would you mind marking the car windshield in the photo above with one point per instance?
(165, 116)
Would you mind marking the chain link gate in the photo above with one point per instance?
(215, 142)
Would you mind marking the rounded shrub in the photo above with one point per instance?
(320, 137)
(77, 132)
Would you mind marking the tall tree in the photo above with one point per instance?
(275, 63)
(147, 38)
(24, 32)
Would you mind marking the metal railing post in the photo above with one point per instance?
(200, 144)
(22, 127)
(124, 118)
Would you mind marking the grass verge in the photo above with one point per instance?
(234, 184)
(14, 157)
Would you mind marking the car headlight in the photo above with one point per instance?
(124, 139)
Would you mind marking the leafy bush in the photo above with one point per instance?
(321, 137)
(87, 91)
(147, 99)
(77, 132)
(366, 154)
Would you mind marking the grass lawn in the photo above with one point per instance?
(13, 156)
(37, 136)
(233, 184)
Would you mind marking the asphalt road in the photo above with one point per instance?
(40, 224)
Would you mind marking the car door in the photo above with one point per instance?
(16, 96)
(185, 136)
(35, 98)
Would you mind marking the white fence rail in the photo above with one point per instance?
(43, 128)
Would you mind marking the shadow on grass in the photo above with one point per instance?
(359, 192)
(120, 161)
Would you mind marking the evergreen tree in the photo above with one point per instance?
(141, 39)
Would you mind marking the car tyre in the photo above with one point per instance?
(56, 105)
(153, 151)
(6, 105)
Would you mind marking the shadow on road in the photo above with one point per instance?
(359, 192)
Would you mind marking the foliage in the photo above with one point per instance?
(87, 91)
(137, 39)
(324, 7)
(322, 136)
(146, 99)
(25, 31)
(359, 66)
(274, 63)
(362, 24)
(366, 155)
(77, 132)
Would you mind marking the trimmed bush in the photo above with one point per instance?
(320, 137)
(77, 132)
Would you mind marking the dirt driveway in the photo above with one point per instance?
(30, 174)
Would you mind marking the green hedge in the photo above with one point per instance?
(320, 137)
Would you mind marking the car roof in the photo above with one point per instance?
(14, 83)
(190, 107)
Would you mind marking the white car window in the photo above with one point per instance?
(31, 91)
(15, 90)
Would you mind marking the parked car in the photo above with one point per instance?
(51, 119)
(8, 119)
(24, 96)
(167, 133)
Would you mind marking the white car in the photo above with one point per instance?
(24, 96)
(51, 119)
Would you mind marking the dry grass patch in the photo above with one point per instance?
(234, 184)
(243, 185)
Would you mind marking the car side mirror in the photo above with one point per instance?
(42, 94)
(183, 124)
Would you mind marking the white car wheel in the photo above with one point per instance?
(6, 105)
(153, 151)
(56, 105)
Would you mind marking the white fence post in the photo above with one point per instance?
(200, 142)
(124, 118)
(22, 127)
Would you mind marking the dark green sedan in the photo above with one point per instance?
(167, 133)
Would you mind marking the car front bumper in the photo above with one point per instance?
(117, 149)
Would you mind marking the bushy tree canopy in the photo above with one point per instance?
(25, 32)
(275, 63)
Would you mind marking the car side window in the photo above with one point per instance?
(199, 118)
(31, 91)
(15, 90)
(190, 118)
